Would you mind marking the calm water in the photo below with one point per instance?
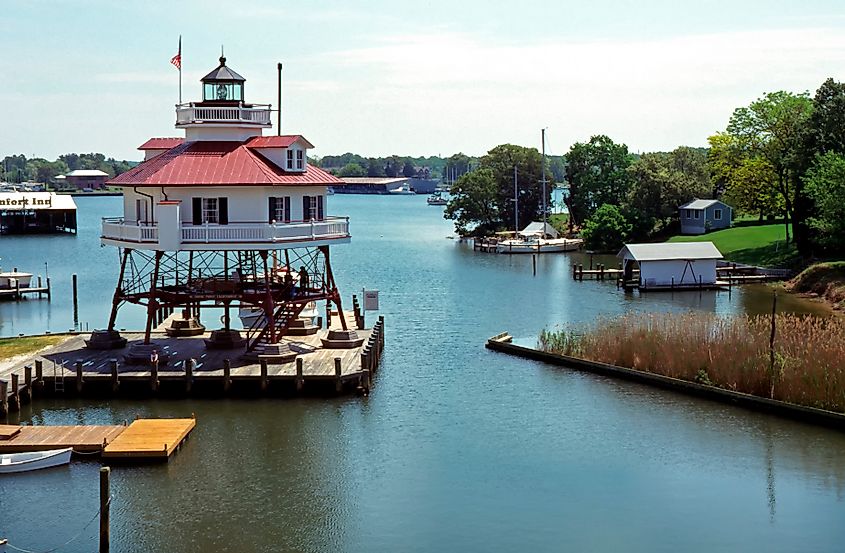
(457, 449)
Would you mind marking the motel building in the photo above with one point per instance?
(226, 217)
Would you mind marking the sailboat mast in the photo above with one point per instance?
(515, 202)
(543, 169)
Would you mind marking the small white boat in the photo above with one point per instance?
(12, 279)
(437, 199)
(404, 190)
(539, 238)
(535, 244)
(23, 462)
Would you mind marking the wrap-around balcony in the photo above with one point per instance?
(255, 114)
(232, 236)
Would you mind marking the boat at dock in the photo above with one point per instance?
(404, 190)
(436, 199)
(15, 279)
(25, 462)
(538, 238)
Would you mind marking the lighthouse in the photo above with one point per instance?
(225, 217)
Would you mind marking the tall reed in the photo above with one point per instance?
(731, 353)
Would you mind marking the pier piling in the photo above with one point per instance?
(227, 375)
(27, 382)
(189, 374)
(300, 380)
(39, 376)
(14, 397)
(263, 366)
(338, 383)
(115, 379)
(105, 502)
(4, 395)
(79, 376)
(75, 298)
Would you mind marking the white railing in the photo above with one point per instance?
(256, 113)
(330, 228)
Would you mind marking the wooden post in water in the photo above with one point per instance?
(39, 376)
(4, 394)
(79, 376)
(227, 372)
(263, 364)
(338, 384)
(75, 298)
(601, 271)
(49, 293)
(105, 501)
(534, 262)
(14, 397)
(27, 383)
(300, 380)
(189, 374)
(115, 379)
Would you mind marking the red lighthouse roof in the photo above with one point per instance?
(213, 163)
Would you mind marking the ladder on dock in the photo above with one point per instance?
(59, 380)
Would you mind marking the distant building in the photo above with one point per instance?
(82, 179)
(671, 264)
(383, 185)
(36, 212)
(700, 216)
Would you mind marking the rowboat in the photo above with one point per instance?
(23, 462)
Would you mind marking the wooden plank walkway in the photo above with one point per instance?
(150, 439)
(83, 439)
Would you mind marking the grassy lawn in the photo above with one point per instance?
(9, 347)
(757, 245)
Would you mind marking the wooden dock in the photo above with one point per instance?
(70, 369)
(83, 439)
(149, 439)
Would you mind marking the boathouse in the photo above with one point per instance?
(700, 216)
(670, 265)
(36, 212)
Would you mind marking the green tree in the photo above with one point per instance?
(824, 133)
(825, 186)
(501, 160)
(374, 168)
(606, 230)
(473, 203)
(772, 127)
(352, 170)
(597, 174)
(751, 189)
(408, 169)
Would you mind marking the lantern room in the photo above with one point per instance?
(223, 85)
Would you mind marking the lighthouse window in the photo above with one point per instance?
(290, 159)
(300, 159)
(222, 91)
(209, 210)
(312, 208)
(280, 209)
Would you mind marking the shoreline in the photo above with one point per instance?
(502, 344)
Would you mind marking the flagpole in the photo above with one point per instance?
(180, 69)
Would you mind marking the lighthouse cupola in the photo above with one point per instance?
(222, 114)
(223, 86)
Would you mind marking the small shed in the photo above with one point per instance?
(700, 216)
(537, 228)
(36, 212)
(671, 264)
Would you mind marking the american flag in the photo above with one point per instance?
(177, 59)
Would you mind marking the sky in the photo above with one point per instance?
(428, 77)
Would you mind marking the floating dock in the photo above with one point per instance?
(143, 439)
(149, 439)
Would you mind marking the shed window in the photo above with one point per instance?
(697, 213)
(688, 213)
(717, 214)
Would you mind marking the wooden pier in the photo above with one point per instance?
(70, 369)
(18, 292)
(149, 439)
(144, 439)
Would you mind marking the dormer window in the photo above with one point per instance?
(300, 160)
(290, 160)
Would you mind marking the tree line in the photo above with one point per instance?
(17, 168)
(782, 156)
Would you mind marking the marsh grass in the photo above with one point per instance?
(731, 353)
